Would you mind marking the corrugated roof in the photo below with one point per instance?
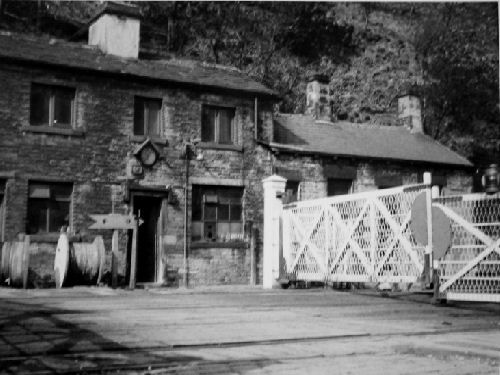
(77, 56)
(301, 133)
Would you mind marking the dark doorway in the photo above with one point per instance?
(148, 209)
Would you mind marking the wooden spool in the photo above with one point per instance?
(78, 263)
(15, 263)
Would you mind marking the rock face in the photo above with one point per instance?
(384, 66)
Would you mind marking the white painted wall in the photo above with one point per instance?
(116, 35)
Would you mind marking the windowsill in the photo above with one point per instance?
(53, 130)
(218, 146)
(219, 245)
(142, 138)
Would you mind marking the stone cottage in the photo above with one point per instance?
(320, 156)
(94, 129)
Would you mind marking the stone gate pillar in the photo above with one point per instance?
(274, 186)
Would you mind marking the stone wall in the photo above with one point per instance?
(313, 182)
(94, 157)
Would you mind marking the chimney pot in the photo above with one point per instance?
(318, 97)
(410, 112)
(115, 29)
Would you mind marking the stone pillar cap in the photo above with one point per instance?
(274, 178)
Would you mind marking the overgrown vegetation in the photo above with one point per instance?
(447, 52)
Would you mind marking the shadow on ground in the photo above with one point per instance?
(37, 339)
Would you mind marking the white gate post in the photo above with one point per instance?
(429, 268)
(273, 207)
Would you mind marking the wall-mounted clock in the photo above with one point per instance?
(147, 153)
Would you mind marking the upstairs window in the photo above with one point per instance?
(217, 125)
(147, 116)
(48, 207)
(217, 213)
(52, 106)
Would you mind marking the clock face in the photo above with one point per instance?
(148, 156)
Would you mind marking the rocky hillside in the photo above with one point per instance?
(447, 53)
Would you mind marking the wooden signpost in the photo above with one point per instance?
(118, 222)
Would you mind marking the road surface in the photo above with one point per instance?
(243, 330)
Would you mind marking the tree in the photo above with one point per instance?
(458, 51)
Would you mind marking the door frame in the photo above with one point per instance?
(162, 194)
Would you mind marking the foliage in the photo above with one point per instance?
(372, 52)
(458, 51)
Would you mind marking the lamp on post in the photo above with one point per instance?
(187, 154)
(491, 179)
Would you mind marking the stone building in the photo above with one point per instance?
(94, 129)
(91, 129)
(321, 156)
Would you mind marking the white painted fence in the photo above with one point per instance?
(470, 269)
(362, 237)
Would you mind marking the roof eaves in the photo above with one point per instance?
(439, 144)
(268, 93)
(281, 147)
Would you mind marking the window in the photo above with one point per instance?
(291, 191)
(338, 186)
(388, 181)
(217, 213)
(147, 116)
(48, 207)
(217, 125)
(52, 106)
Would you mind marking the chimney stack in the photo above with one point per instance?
(115, 29)
(410, 113)
(318, 100)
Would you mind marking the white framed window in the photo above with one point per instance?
(217, 213)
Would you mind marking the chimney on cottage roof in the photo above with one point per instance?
(115, 29)
(410, 113)
(318, 97)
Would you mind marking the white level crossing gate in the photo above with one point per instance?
(470, 269)
(362, 237)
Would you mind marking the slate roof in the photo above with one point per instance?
(58, 53)
(302, 134)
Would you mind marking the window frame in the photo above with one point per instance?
(336, 179)
(50, 185)
(51, 90)
(292, 191)
(146, 100)
(216, 126)
(216, 196)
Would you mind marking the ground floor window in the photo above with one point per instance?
(339, 186)
(217, 213)
(291, 191)
(49, 207)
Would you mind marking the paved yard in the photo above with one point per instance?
(243, 330)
